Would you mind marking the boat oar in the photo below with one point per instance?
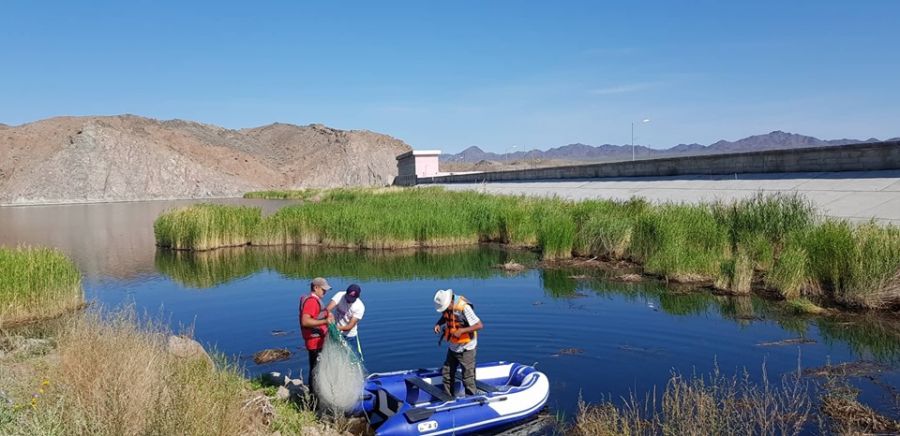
(423, 413)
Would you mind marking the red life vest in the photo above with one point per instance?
(455, 318)
(313, 332)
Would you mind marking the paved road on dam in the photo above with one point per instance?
(858, 196)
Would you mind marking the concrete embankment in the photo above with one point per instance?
(857, 182)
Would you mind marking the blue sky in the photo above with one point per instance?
(497, 74)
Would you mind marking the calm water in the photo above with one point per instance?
(629, 336)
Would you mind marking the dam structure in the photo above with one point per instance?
(858, 182)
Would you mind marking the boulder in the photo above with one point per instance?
(186, 348)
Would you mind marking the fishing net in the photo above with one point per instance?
(339, 375)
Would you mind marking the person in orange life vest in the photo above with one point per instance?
(314, 320)
(460, 325)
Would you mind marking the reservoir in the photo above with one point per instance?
(595, 337)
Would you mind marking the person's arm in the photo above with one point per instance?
(473, 319)
(308, 321)
(461, 331)
(331, 306)
(349, 326)
(438, 324)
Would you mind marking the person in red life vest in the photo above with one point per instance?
(314, 320)
(459, 326)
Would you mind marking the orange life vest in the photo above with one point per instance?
(455, 318)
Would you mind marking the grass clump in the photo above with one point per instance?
(37, 283)
(206, 226)
(680, 242)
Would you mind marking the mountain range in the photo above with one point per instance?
(610, 152)
(128, 157)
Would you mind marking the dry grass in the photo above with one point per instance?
(114, 376)
(700, 406)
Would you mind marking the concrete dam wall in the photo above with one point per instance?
(854, 157)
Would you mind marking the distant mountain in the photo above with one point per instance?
(126, 157)
(610, 152)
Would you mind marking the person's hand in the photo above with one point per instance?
(456, 333)
(437, 329)
(330, 319)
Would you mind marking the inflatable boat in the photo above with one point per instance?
(414, 402)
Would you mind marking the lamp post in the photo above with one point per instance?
(644, 121)
(508, 151)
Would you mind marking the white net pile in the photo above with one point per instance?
(339, 376)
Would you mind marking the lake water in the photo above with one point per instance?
(622, 337)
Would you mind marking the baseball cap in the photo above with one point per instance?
(353, 292)
(321, 282)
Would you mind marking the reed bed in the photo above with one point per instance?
(206, 226)
(37, 283)
(773, 241)
(713, 404)
(301, 194)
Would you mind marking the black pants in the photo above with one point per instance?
(465, 359)
(313, 361)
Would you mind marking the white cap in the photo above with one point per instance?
(442, 299)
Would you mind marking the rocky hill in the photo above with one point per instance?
(126, 157)
(610, 152)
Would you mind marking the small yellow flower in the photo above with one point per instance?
(45, 382)
(41, 390)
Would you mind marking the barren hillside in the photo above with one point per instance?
(115, 158)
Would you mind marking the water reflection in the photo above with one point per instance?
(870, 336)
(212, 268)
(106, 239)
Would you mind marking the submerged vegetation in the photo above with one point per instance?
(37, 283)
(716, 404)
(774, 242)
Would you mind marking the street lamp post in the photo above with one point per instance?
(645, 120)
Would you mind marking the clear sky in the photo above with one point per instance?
(451, 74)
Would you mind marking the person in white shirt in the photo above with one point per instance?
(459, 326)
(348, 312)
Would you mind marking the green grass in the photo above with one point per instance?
(37, 283)
(680, 242)
(775, 240)
(206, 226)
(302, 194)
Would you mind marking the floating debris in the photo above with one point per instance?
(791, 341)
(852, 417)
(641, 350)
(580, 277)
(511, 266)
(847, 369)
(271, 355)
(280, 333)
(631, 278)
(571, 351)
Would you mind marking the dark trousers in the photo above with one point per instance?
(313, 361)
(466, 360)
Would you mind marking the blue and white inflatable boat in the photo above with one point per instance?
(413, 402)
